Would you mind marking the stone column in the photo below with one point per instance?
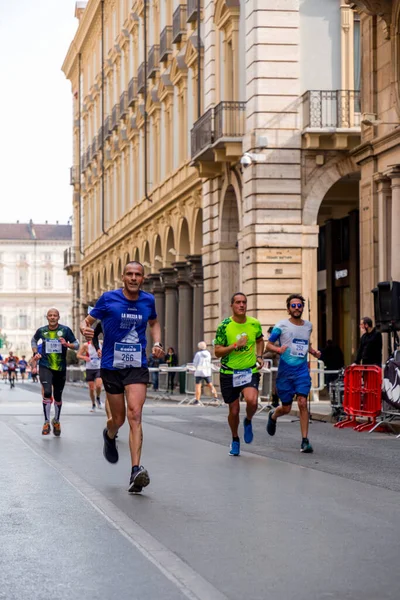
(384, 230)
(185, 312)
(157, 289)
(168, 278)
(196, 279)
(354, 280)
(394, 234)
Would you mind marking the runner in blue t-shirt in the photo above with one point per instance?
(124, 315)
(293, 377)
(22, 367)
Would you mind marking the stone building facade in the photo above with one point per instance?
(32, 279)
(157, 171)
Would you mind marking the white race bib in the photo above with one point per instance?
(299, 348)
(127, 355)
(53, 347)
(242, 377)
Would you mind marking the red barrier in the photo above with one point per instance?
(362, 396)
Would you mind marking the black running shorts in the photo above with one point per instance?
(115, 381)
(230, 393)
(92, 374)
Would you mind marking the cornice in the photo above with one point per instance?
(379, 8)
(83, 29)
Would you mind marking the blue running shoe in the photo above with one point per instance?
(306, 446)
(235, 449)
(248, 431)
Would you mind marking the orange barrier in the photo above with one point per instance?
(362, 396)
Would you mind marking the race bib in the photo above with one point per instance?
(53, 347)
(299, 348)
(127, 355)
(242, 377)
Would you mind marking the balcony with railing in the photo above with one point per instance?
(179, 24)
(88, 155)
(107, 128)
(94, 147)
(115, 116)
(216, 137)
(331, 119)
(83, 161)
(192, 5)
(132, 91)
(123, 105)
(71, 260)
(140, 79)
(99, 139)
(153, 61)
(165, 43)
(74, 175)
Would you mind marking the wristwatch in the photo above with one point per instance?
(157, 345)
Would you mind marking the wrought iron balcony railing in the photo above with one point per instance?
(132, 91)
(94, 147)
(230, 120)
(178, 23)
(115, 116)
(74, 175)
(88, 154)
(71, 257)
(165, 43)
(123, 104)
(331, 109)
(153, 61)
(83, 162)
(99, 139)
(140, 79)
(202, 134)
(192, 10)
(107, 128)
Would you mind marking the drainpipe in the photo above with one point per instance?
(80, 150)
(145, 101)
(198, 60)
(102, 121)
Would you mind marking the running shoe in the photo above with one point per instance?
(46, 429)
(248, 431)
(271, 424)
(110, 450)
(306, 447)
(234, 449)
(98, 403)
(56, 428)
(139, 479)
(93, 409)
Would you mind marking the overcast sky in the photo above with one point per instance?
(36, 110)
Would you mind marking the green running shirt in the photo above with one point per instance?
(57, 361)
(228, 333)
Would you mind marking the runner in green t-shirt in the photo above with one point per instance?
(239, 344)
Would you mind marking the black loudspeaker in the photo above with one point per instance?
(387, 306)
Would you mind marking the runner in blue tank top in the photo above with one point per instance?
(293, 379)
(124, 315)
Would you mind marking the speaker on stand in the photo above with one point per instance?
(387, 312)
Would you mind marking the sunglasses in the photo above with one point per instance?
(296, 306)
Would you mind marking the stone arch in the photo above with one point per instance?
(170, 257)
(104, 279)
(229, 259)
(136, 254)
(87, 290)
(146, 258)
(224, 10)
(321, 182)
(231, 183)
(98, 285)
(184, 240)
(118, 270)
(158, 260)
(126, 259)
(197, 235)
(111, 278)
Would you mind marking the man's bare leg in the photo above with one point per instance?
(135, 398)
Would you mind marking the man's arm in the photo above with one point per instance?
(97, 331)
(85, 327)
(83, 353)
(313, 352)
(34, 341)
(155, 330)
(260, 351)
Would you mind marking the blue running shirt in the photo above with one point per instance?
(124, 325)
(297, 338)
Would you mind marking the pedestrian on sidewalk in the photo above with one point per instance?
(239, 343)
(202, 363)
(370, 349)
(154, 363)
(293, 380)
(171, 359)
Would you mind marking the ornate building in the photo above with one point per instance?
(166, 100)
(32, 279)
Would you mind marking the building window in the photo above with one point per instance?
(48, 277)
(23, 321)
(1, 277)
(22, 278)
(47, 257)
(22, 258)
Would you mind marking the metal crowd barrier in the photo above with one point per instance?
(362, 396)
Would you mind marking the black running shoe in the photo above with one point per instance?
(306, 446)
(139, 480)
(110, 450)
(271, 424)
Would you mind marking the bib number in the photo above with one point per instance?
(53, 347)
(242, 377)
(127, 355)
(299, 348)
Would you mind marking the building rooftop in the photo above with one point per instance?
(32, 231)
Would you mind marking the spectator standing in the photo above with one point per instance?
(154, 362)
(202, 363)
(172, 361)
(370, 350)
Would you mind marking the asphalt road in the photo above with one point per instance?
(271, 524)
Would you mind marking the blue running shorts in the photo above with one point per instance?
(292, 383)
